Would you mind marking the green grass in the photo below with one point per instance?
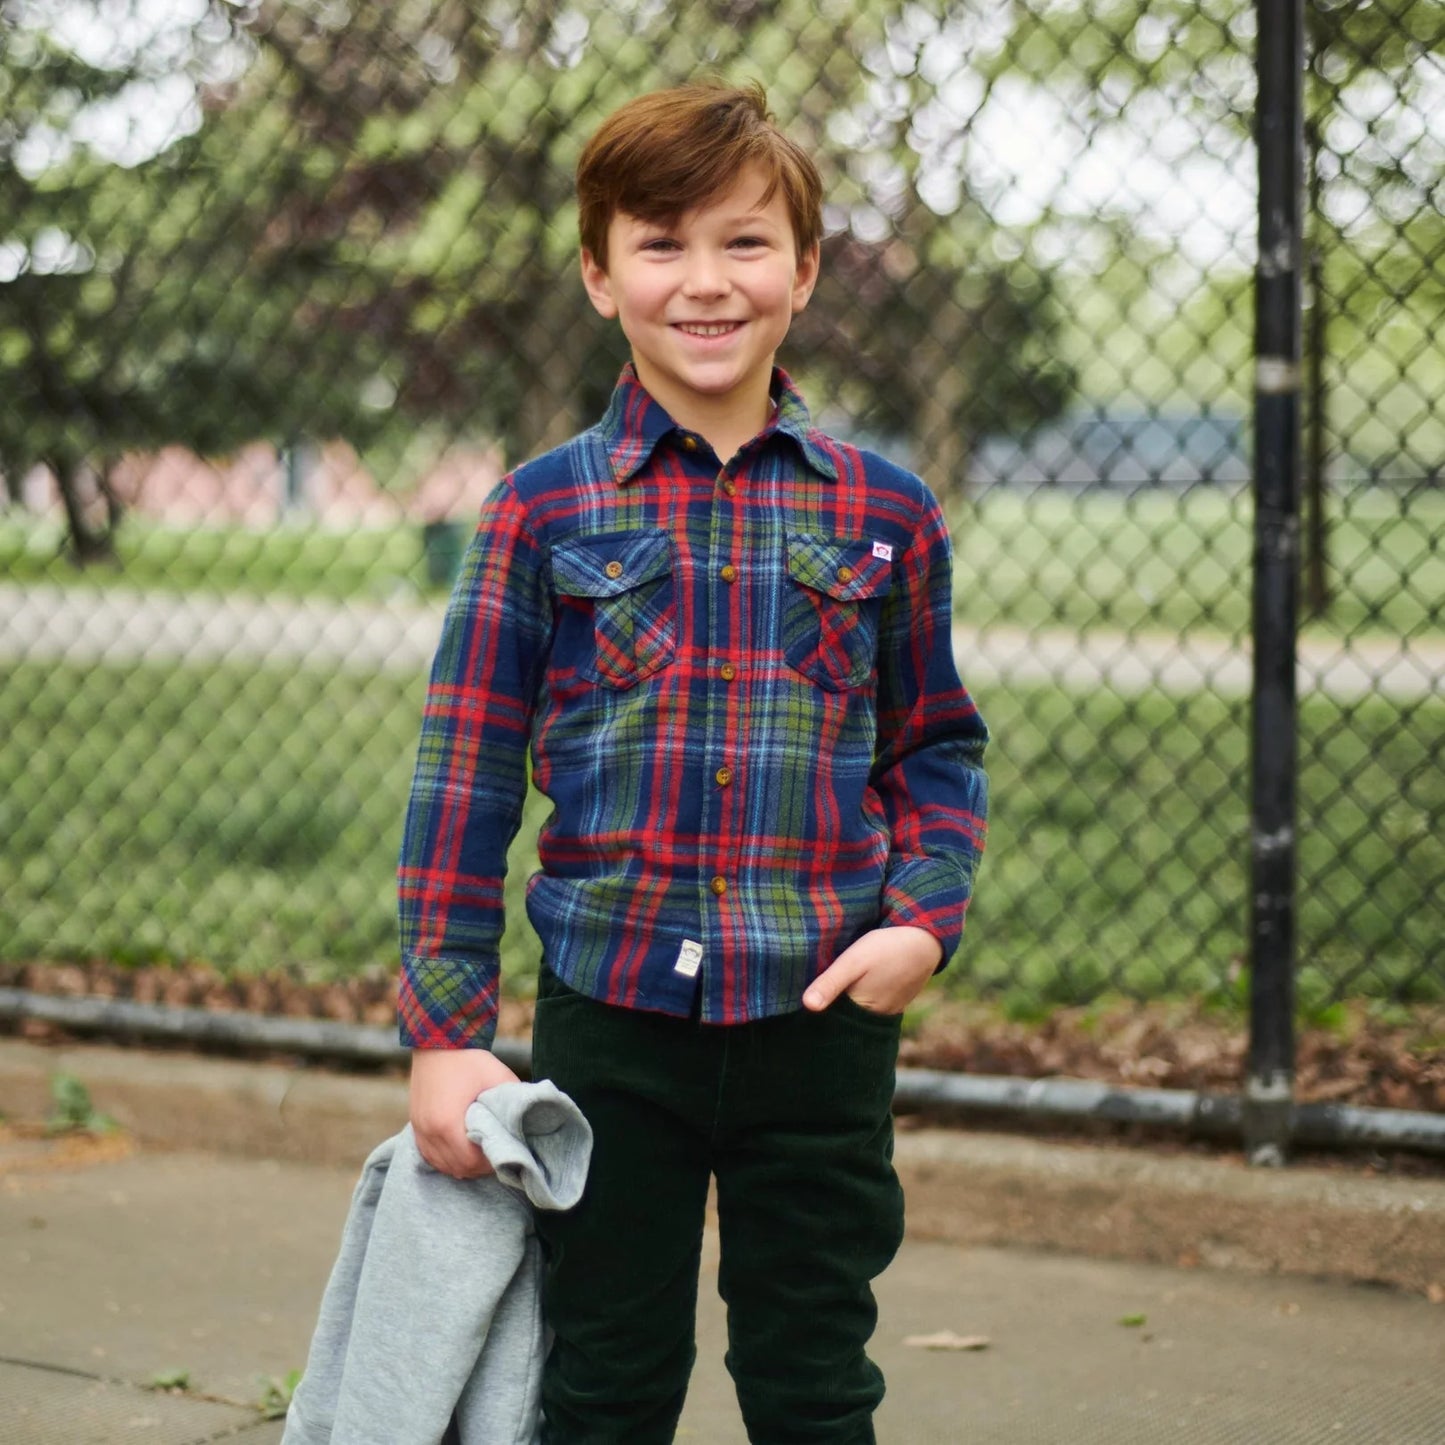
(289, 561)
(1161, 562)
(246, 817)
(1119, 847)
(250, 818)
(1155, 561)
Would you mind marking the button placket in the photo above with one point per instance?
(724, 540)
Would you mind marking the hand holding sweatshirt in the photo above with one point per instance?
(433, 1307)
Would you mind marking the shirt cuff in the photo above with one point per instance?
(447, 1003)
(927, 893)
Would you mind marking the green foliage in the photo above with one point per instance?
(171, 1381)
(276, 1393)
(371, 229)
(1022, 1006)
(72, 1110)
(1229, 994)
(915, 1016)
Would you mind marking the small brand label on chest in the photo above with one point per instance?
(689, 959)
(883, 550)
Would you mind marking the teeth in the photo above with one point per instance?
(720, 328)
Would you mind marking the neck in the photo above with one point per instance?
(726, 422)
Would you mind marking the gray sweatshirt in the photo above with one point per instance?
(433, 1307)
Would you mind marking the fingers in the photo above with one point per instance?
(837, 978)
(444, 1084)
(441, 1139)
(452, 1153)
(895, 962)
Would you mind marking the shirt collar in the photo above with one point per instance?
(634, 423)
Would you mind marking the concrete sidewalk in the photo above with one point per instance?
(123, 1260)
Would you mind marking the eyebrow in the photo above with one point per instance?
(757, 217)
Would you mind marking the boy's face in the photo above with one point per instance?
(706, 301)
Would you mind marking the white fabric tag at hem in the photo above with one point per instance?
(883, 550)
(689, 959)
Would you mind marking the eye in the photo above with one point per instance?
(749, 243)
(659, 245)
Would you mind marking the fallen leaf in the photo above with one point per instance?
(1133, 1321)
(947, 1340)
(1435, 1293)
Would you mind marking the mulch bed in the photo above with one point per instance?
(1396, 1062)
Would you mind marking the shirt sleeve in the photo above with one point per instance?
(928, 761)
(470, 783)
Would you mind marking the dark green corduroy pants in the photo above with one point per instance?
(792, 1116)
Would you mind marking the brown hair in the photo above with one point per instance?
(668, 152)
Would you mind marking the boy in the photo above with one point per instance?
(726, 639)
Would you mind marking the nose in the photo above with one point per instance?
(706, 277)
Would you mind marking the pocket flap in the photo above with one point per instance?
(608, 565)
(844, 570)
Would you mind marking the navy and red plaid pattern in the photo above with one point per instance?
(738, 689)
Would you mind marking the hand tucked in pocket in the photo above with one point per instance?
(883, 971)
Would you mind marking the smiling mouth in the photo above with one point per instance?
(708, 328)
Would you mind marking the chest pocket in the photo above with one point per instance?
(617, 621)
(830, 609)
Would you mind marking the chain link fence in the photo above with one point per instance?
(285, 288)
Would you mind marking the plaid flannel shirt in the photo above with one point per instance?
(738, 688)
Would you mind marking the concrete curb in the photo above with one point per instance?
(964, 1187)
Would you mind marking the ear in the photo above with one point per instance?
(599, 287)
(806, 276)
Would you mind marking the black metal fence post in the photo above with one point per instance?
(1268, 1094)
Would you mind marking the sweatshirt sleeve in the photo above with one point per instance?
(470, 783)
(928, 761)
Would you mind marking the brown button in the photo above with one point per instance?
(719, 885)
(613, 569)
(727, 672)
(690, 443)
(729, 573)
(845, 574)
(731, 488)
(724, 776)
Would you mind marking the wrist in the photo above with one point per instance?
(927, 946)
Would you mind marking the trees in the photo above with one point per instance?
(443, 188)
(62, 344)
(367, 230)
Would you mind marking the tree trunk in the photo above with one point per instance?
(114, 507)
(943, 453)
(88, 543)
